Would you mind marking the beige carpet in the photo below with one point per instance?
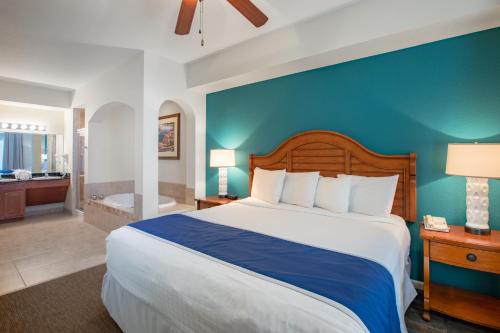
(68, 304)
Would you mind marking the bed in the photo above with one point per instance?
(180, 284)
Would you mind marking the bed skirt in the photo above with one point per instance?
(131, 313)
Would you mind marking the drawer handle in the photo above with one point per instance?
(471, 257)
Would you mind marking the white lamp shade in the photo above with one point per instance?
(222, 158)
(480, 160)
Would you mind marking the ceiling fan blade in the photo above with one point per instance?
(250, 11)
(185, 18)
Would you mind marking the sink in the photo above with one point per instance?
(46, 177)
(7, 180)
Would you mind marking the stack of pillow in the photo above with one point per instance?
(346, 193)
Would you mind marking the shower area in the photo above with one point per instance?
(79, 147)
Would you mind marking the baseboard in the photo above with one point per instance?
(419, 285)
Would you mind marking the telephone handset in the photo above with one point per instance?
(435, 223)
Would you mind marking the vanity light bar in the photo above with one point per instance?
(14, 126)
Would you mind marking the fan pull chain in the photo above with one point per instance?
(201, 31)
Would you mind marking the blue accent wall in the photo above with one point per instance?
(412, 100)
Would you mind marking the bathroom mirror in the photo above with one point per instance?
(35, 152)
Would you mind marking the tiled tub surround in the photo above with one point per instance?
(177, 209)
(108, 188)
(107, 218)
(181, 193)
(189, 196)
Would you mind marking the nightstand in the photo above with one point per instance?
(211, 201)
(458, 248)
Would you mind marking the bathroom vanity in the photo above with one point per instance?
(15, 195)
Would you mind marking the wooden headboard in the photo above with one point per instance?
(332, 153)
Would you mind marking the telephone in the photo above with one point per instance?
(435, 223)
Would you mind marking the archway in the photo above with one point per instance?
(176, 175)
(111, 151)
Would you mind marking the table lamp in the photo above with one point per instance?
(222, 159)
(477, 162)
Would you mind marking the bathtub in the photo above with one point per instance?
(125, 201)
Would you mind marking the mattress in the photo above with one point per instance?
(197, 294)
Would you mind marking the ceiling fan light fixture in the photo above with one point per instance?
(188, 9)
(250, 11)
(202, 28)
(185, 18)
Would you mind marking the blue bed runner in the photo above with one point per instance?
(363, 286)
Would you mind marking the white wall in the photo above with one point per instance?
(22, 92)
(54, 120)
(165, 80)
(124, 84)
(68, 139)
(27, 103)
(174, 171)
(388, 24)
(110, 137)
(145, 82)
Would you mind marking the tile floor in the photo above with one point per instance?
(42, 248)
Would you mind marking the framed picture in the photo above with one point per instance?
(169, 135)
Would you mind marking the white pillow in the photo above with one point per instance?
(267, 185)
(372, 195)
(300, 188)
(333, 194)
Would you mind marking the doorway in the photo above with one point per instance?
(79, 135)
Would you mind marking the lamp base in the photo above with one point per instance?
(222, 182)
(477, 206)
(477, 231)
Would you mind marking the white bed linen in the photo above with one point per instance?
(202, 295)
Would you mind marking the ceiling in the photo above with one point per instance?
(66, 43)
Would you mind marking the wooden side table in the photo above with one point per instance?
(458, 248)
(211, 201)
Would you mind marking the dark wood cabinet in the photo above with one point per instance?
(12, 200)
(13, 204)
(15, 196)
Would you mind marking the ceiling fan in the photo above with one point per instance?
(245, 7)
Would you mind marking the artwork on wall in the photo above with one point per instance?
(169, 135)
